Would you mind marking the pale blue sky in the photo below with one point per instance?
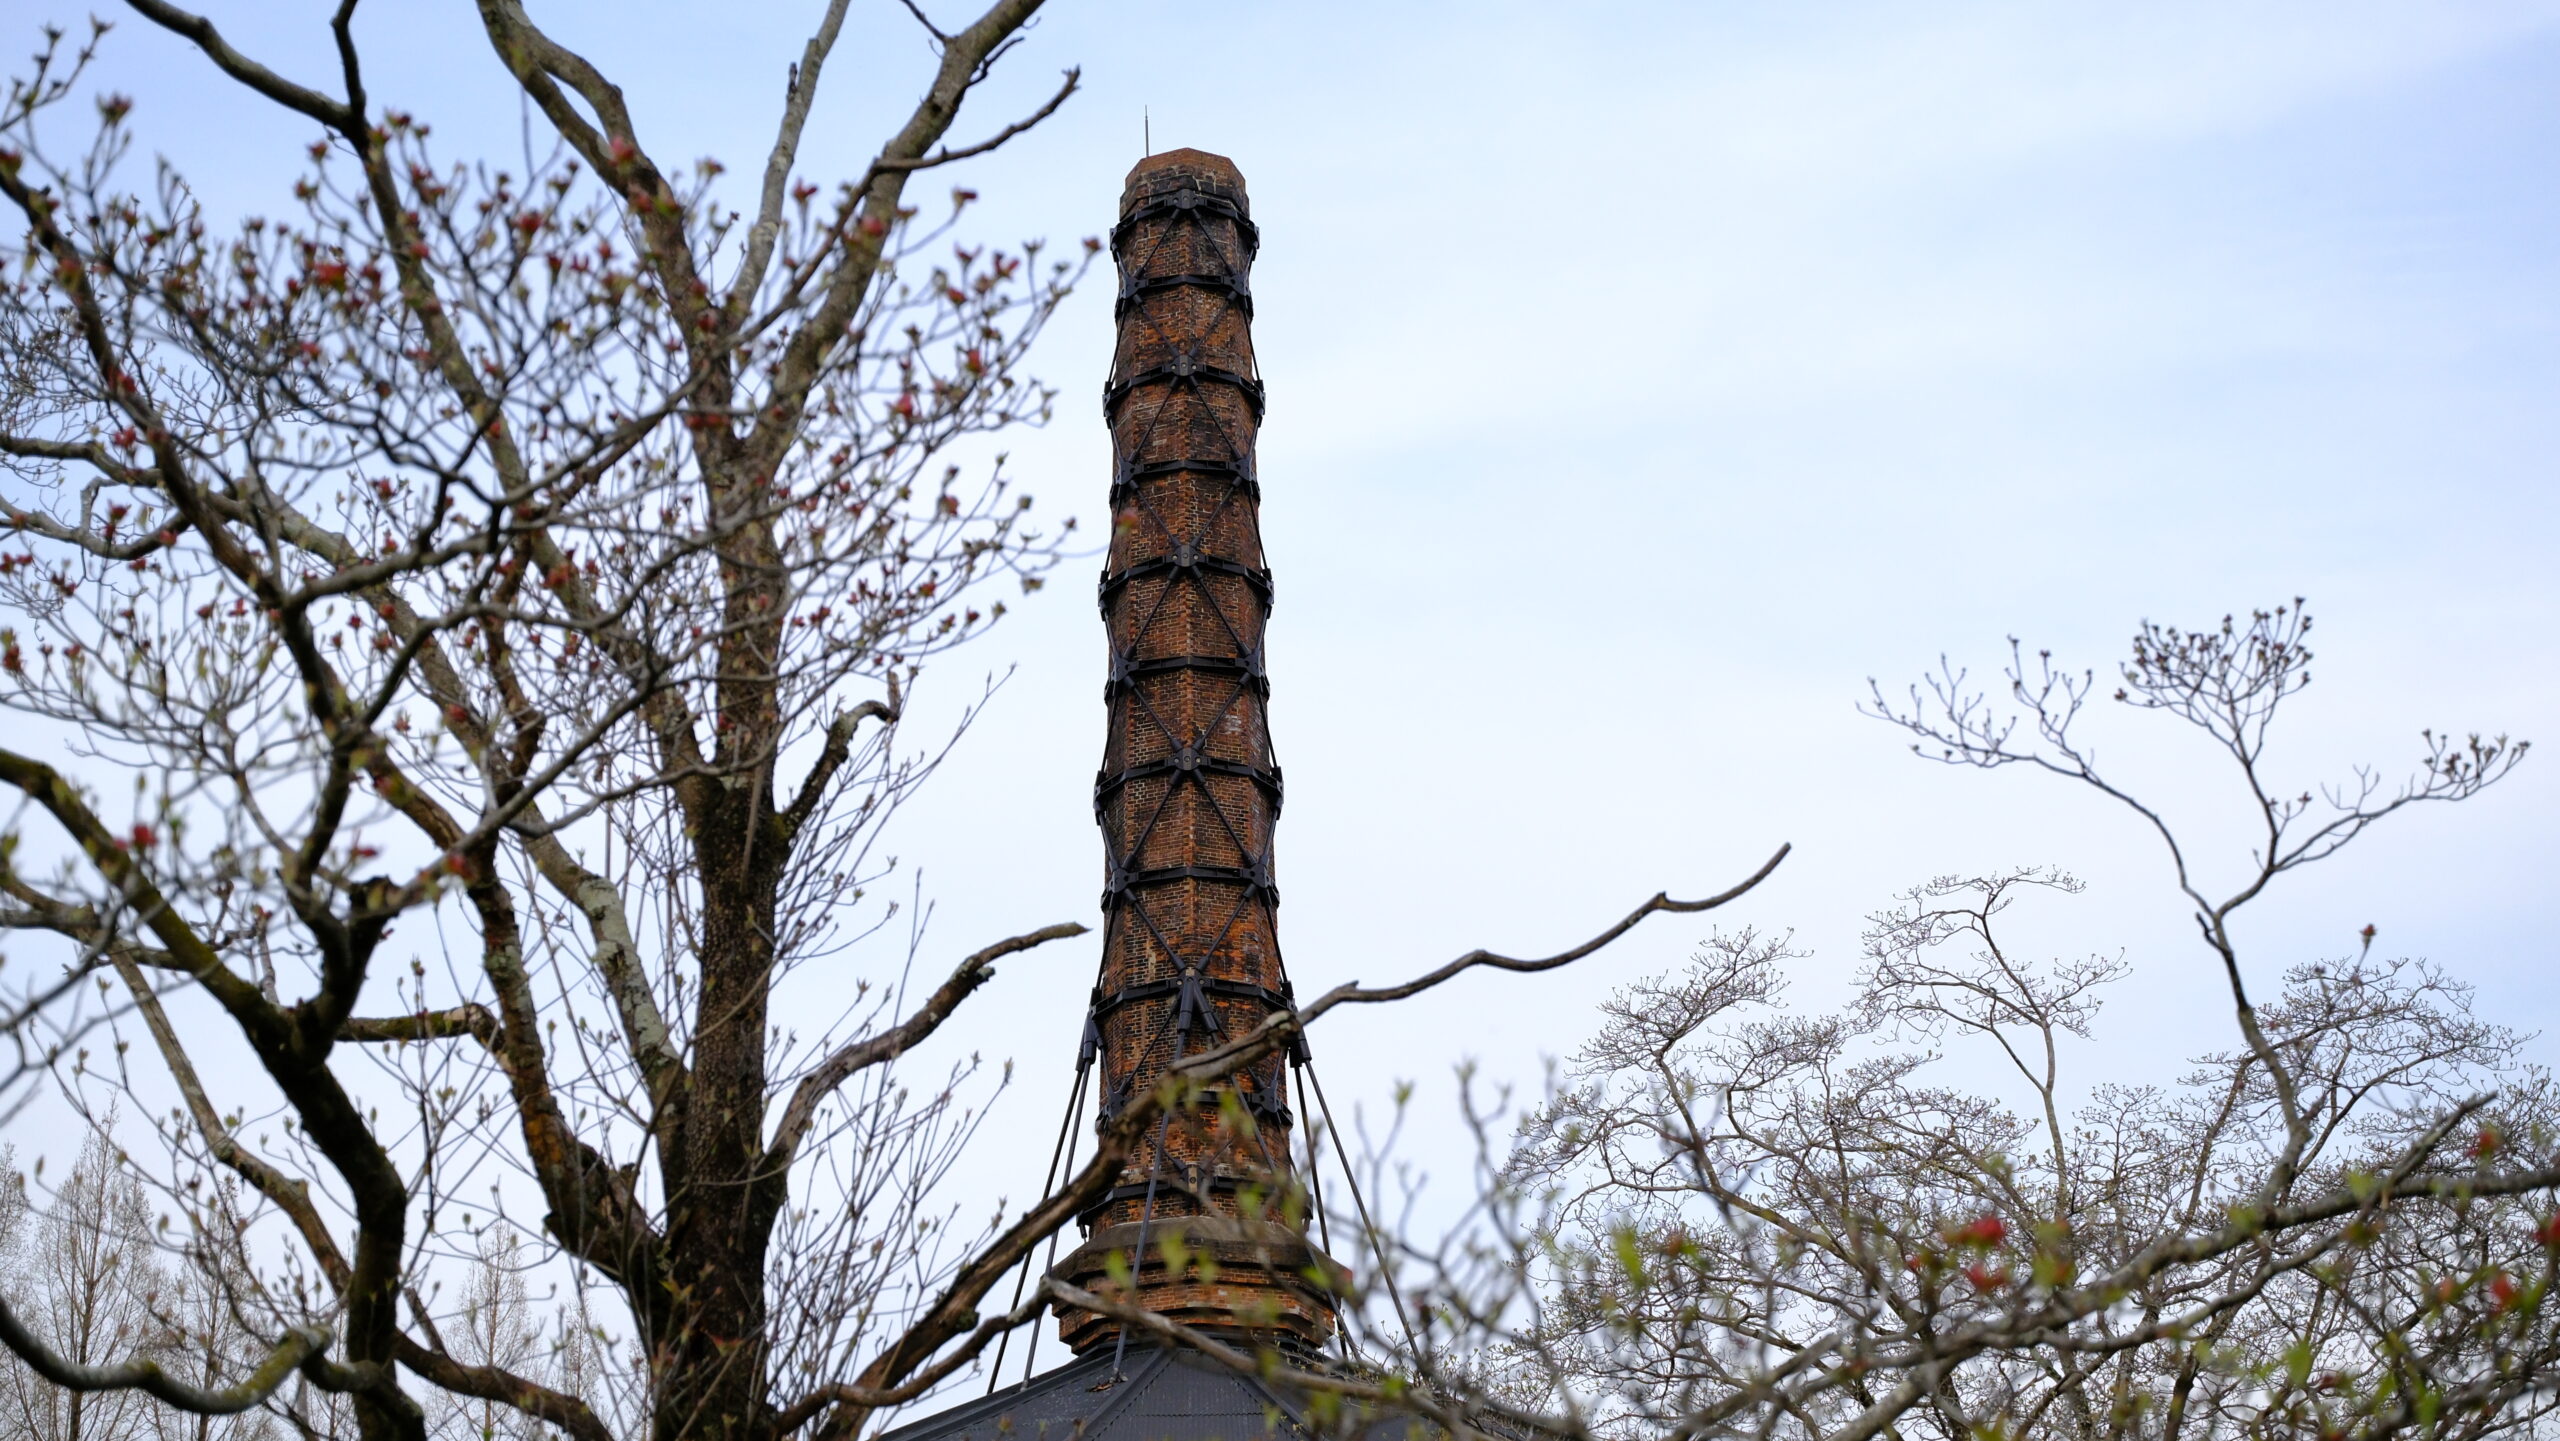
(1645, 377)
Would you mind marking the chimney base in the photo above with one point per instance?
(1253, 1282)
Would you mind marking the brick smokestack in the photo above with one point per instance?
(1188, 791)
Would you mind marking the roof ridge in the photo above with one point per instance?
(1131, 1386)
(994, 1402)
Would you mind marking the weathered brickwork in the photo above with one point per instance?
(1189, 791)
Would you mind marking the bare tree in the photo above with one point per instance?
(86, 1269)
(1730, 1219)
(205, 1317)
(496, 1328)
(89, 1277)
(90, 1273)
(532, 565)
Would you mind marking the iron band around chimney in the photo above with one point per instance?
(1136, 470)
(1104, 1005)
(1220, 1184)
(1187, 558)
(1248, 665)
(1191, 203)
(1106, 783)
(1174, 373)
(1238, 475)
(1253, 878)
(1268, 1100)
(1134, 291)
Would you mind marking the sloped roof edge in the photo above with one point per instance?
(1161, 1395)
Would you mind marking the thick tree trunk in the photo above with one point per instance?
(714, 1386)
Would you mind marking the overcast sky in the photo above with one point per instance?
(1645, 378)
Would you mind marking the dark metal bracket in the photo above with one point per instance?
(1179, 763)
(1188, 559)
(1196, 206)
(1105, 1003)
(1181, 368)
(1256, 879)
(1248, 665)
(1266, 1099)
(1132, 292)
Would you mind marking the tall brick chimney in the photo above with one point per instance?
(1188, 791)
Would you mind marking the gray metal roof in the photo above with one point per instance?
(1161, 1395)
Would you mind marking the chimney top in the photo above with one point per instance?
(1167, 171)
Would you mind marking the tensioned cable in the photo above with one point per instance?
(1342, 1336)
(1050, 1261)
(1377, 1243)
(1048, 1185)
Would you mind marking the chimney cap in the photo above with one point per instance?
(1167, 171)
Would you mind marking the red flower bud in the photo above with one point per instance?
(1981, 1231)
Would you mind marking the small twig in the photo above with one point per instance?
(946, 155)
